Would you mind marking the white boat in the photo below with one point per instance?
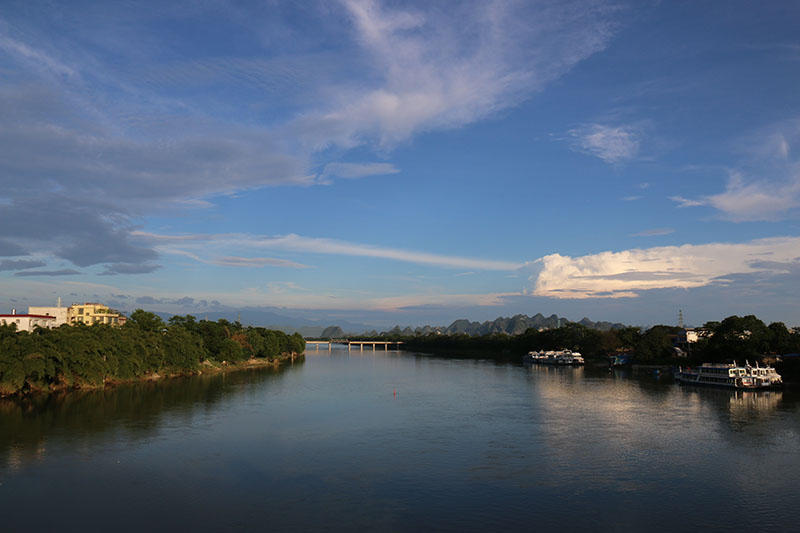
(730, 375)
(554, 357)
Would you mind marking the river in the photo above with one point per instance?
(395, 441)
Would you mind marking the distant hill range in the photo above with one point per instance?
(317, 328)
(514, 325)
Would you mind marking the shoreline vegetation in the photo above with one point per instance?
(145, 349)
(735, 338)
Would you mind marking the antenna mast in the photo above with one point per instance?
(680, 318)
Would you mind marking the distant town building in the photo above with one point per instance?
(27, 322)
(91, 313)
(684, 340)
(693, 335)
(58, 312)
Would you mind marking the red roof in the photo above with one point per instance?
(29, 316)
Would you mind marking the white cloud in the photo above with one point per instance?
(766, 184)
(687, 202)
(627, 273)
(612, 144)
(226, 261)
(446, 67)
(91, 113)
(653, 232)
(255, 262)
(195, 245)
(36, 58)
(356, 170)
(756, 201)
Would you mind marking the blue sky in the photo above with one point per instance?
(389, 162)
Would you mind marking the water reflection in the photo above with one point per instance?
(403, 442)
(132, 411)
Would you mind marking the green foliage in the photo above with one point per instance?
(297, 343)
(656, 344)
(746, 338)
(145, 321)
(735, 337)
(76, 356)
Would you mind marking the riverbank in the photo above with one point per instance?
(207, 367)
(144, 348)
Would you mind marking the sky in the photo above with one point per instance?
(403, 163)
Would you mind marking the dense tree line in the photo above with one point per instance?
(73, 356)
(735, 338)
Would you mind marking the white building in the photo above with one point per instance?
(60, 313)
(28, 322)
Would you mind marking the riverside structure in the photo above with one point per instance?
(360, 344)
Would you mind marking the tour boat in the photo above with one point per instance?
(561, 357)
(730, 375)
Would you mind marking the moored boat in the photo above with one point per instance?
(554, 357)
(730, 375)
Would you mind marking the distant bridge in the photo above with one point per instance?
(360, 344)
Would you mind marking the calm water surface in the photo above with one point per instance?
(399, 442)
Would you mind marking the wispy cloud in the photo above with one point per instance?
(612, 144)
(37, 58)
(399, 71)
(744, 202)
(20, 264)
(653, 232)
(129, 268)
(356, 170)
(766, 184)
(756, 201)
(196, 245)
(212, 240)
(440, 68)
(62, 272)
(687, 202)
(255, 262)
(627, 273)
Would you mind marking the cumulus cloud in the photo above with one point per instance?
(612, 144)
(627, 273)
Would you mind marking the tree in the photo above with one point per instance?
(737, 337)
(656, 344)
(146, 321)
(781, 338)
(297, 343)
